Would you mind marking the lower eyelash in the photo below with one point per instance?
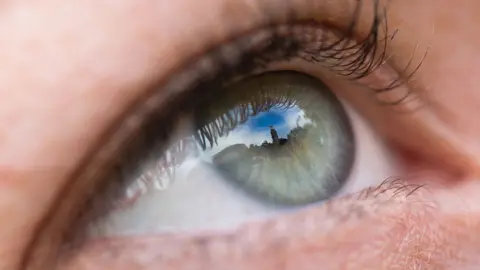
(395, 188)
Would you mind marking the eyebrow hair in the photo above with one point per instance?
(97, 166)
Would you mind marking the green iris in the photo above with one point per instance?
(282, 137)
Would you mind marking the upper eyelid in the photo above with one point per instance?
(88, 174)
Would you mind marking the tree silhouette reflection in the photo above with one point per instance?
(292, 157)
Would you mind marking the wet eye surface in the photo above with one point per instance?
(261, 146)
(281, 137)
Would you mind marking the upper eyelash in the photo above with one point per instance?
(282, 42)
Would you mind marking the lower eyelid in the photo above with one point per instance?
(344, 230)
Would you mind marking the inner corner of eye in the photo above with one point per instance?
(265, 144)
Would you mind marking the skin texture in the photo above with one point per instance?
(72, 70)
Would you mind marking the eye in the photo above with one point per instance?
(264, 145)
(281, 137)
(238, 141)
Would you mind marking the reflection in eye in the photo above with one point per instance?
(291, 142)
(263, 146)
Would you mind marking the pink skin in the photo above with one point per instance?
(70, 69)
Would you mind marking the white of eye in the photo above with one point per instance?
(200, 199)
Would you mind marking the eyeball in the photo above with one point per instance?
(264, 145)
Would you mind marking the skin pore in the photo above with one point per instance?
(72, 70)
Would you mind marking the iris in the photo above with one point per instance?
(282, 137)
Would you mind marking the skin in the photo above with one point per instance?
(70, 70)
